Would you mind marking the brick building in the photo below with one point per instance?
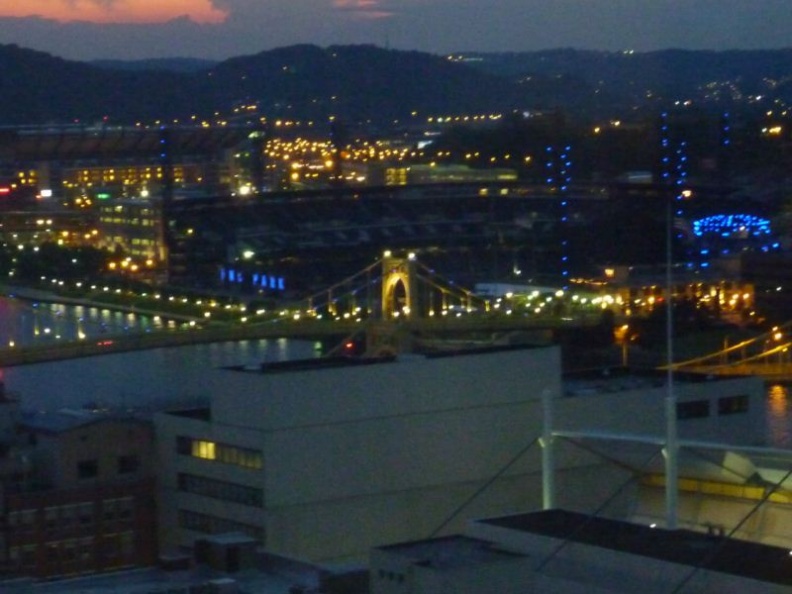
(78, 496)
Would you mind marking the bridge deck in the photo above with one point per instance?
(771, 372)
(295, 329)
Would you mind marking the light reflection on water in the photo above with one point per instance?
(779, 416)
(25, 322)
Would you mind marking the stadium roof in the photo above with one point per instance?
(78, 143)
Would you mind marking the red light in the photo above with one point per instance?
(5, 190)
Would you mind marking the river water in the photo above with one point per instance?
(140, 379)
(157, 378)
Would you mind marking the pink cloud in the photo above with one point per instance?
(369, 9)
(115, 11)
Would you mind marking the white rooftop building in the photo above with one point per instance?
(561, 552)
(324, 459)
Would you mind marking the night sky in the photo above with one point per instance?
(217, 29)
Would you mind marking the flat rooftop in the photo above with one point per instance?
(67, 419)
(450, 552)
(275, 578)
(712, 553)
(74, 143)
(317, 363)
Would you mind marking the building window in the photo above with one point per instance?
(219, 452)
(68, 515)
(731, 405)
(51, 549)
(27, 556)
(693, 409)
(117, 509)
(128, 464)
(110, 547)
(68, 552)
(85, 549)
(88, 469)
(51, 517)
(225, 491)
(127, 545)
(85, 513)
(22, 519)
(108, 510)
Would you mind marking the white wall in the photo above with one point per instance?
(411, 385)
(642, 411)
(364, 455)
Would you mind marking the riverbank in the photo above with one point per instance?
(40, 295)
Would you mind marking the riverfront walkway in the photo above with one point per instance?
(31, 294)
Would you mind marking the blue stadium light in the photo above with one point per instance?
(727, 225)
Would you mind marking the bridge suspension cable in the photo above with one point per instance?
(342, 289)
(719, 356)
(447, 286)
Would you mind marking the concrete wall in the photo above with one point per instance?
(510, 577)
(411, 385)
(616, 411)
(168, 428)
(770, 524)
(364, 455)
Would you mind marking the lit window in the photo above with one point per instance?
(204, 449)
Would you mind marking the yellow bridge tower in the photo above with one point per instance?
(399, 287)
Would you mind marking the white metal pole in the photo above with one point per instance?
(548, 454)
(672, 438)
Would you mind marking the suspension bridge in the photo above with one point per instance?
(768, 355)
(394, 305)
